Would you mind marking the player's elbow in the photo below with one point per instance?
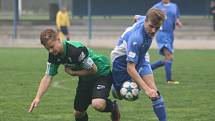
(130, 70)
(94, 69)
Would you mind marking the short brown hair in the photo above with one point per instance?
(47, 34)
(156, 16)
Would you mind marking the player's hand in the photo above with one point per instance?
(69, 71)
(179, 24)
(34, 104)
(135, 18)
(151, 93)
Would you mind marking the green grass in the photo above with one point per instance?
(21, 70)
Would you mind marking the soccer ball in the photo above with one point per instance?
(129, 91)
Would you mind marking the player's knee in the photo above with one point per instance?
(169, 56)
(79, 114)
(98, 104)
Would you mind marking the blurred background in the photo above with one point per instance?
(98, 21)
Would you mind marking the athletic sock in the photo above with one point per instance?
(168, 70)
(109, 106)
(157, 64)
(159, 108)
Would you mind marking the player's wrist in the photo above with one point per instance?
(37, 98)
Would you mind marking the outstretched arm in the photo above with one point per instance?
(44, 84)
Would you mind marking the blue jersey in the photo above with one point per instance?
(132, 46)
(171, 14)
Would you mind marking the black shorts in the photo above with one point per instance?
(91, 89)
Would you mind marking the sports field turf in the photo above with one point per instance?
(21, 70)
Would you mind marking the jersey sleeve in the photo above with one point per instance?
(85, 59)
(51, 69)
(87, 63)
(52, 65)
(133, 47)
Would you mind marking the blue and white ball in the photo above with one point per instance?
(130, 91)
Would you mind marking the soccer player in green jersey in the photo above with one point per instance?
(93, 70)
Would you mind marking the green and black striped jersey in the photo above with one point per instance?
(77, 57)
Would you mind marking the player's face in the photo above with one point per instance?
(151, 29)
(54, 47)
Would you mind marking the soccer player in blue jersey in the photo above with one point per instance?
(165, 37)
(129, 60)
(95, 78)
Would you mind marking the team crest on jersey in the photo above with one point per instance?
(131, 54)
(81, 57)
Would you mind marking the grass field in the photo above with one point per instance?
(22, 69)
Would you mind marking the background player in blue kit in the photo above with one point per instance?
(129, 61)
(165, 37)
(93, 70)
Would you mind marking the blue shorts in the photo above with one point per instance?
(120, 76)
(165, 40)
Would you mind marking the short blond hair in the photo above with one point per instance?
(155, 16)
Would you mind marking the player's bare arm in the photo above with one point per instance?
(83, 72)
(178, 23)
(136, 77)
(44, 84)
